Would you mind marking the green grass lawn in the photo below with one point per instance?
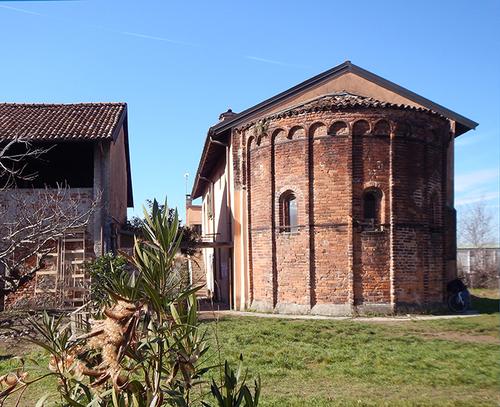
(322, 363)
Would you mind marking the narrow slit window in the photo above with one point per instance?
(371, 206)
(289, 219)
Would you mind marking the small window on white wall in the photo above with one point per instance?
(209, 212)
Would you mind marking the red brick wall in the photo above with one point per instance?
(371, 170)
(328, 159)
(198, 273)
(372, 277)
(419, 162)
(260, 217)
(331, 191)
(289, 173)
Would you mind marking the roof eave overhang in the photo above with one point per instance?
(130, 194)
(123, 122)
(209, 148)
(463, 124)
(196, 191)
(248, 113)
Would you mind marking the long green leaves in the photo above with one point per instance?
(147, 347)
(158, 281)
(234, 391)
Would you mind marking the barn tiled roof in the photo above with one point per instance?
(82, 121)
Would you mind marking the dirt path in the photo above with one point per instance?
(460, 337)
(402, 318)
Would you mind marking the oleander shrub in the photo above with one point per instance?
(146, 346)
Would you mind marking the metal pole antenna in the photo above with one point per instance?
(186, 176)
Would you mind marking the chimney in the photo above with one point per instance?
(189, 201)
(227, 115)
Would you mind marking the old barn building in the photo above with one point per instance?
(333, 197)
(84, 169)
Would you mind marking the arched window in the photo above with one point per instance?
(371, 206)
(289, 212)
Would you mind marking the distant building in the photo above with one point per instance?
(196, 265)
(89, 153)
(474, 263)
(193, 215)
(332, 197)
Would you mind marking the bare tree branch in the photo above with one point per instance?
(476, 226)
(476, 230)
(31, 220)
(14, 158)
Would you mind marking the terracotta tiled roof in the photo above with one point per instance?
(339, 101)
(346, 99)
(82, 121)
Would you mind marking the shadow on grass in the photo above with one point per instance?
(485, 305)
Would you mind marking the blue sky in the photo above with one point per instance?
(179, 64)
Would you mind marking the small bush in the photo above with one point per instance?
(102, 270)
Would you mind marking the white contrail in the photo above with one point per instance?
(271, 61)
(152, 37)
(157, 38)
(21, 10)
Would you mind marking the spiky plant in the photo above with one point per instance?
(148, 348)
